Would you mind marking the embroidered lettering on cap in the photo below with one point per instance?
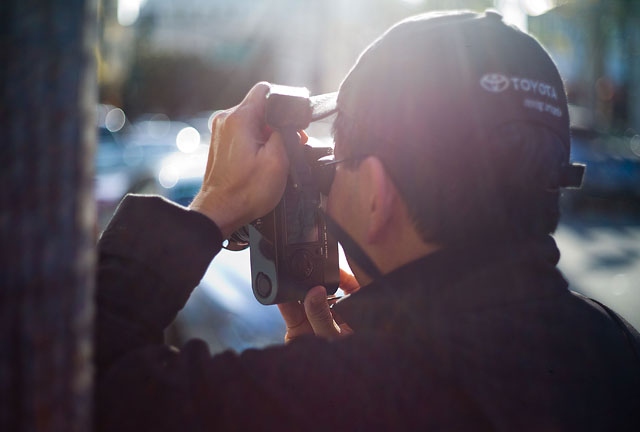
(533, 86)
(497, 83)
(539, 105)
(535, 104)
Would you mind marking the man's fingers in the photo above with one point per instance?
(257, 94)
(249, 114)
(292, 313)
(319, 314)
(312, 317)
(345, 329)
(295, 319)
(348, 282)
(304, 138)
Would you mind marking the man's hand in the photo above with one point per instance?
(247, 166)
(314, 316)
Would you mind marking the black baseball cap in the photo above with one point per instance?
(453, 77)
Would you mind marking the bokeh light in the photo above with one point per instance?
(168, 176)
(538, 7)
(128, 11)
(188, 140)
(114, 121)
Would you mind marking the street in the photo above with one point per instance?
(600, 257)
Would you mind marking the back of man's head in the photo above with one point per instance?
(469, 117)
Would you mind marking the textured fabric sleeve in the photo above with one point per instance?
(151, 256)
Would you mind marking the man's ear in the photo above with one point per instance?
(381, 198)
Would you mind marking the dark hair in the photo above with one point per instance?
(502, 188)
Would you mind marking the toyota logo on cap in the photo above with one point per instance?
(494, 82)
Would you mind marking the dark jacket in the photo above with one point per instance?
(475, 338)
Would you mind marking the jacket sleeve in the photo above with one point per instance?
(151, 256)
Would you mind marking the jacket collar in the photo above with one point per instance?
(456, 280)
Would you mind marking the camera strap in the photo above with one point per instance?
(351, 248)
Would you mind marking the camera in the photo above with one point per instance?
(291, 249)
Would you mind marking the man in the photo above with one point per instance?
(453, 139)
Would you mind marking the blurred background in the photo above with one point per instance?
(165, 67)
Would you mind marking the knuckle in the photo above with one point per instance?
(218, 119)
(257, 92)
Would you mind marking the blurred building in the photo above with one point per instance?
(223, 46)
(311, 43)
(219, 31)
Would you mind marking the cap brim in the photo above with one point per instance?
(323, 105)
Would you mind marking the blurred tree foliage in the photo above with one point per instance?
(182, 85)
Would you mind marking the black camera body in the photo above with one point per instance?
(291, 250)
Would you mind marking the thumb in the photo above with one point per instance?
(319, 315)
